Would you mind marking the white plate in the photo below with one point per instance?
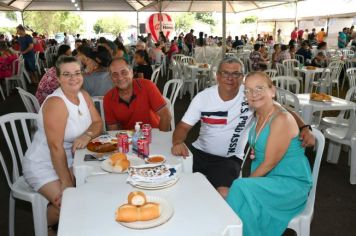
(324, 101)
(152, 186)
(166, 213)
(134, 161)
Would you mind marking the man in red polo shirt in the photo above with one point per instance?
(133, 100)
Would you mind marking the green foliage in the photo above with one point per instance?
(51, 22)
(183, 22)
(249, 19)
(10, 30)
(205, 17)
(112, 24)
(11, 15)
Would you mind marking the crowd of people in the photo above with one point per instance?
(236, 111)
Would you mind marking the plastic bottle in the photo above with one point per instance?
(136, 136)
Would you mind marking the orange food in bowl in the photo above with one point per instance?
(156, 159)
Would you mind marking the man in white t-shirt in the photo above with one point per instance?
(225, 121)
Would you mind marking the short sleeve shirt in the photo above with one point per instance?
(25, 42)
(145, 102)
(224, 124)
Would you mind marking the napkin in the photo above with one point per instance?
(152, 174)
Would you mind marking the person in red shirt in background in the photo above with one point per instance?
(38, 45)
(132, 100)
(300, 35)
(173, 49)
(7, 57)
(294, 34)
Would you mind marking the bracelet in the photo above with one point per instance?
(89, 134)
(305, 126)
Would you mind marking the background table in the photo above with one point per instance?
(161, 144)
(199, 210)
(308, 107)
(309, 76)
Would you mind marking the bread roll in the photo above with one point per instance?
(127, 213)
(149, 211)
(131, 213)
(117, 157)
(136, 198)
(121, 165)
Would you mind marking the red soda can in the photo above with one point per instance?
(146, 130)
(119, 137)
(124, 142)
(143, 149)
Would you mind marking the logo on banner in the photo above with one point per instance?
(153, 25)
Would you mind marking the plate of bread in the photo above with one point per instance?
(320, 97)
(120, 162)
(143, 212)
(103, 144)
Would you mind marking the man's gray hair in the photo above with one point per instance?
(231, 60)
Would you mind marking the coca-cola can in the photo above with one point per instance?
(124, 143)
(143, 149)
(147, 132)
(119, 137)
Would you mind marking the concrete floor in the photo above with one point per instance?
(335, 206)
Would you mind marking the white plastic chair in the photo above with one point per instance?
(287, 83)
(99, 100)
(348, 65)
(175, 85)
(288, 99)
(189, 83)
(29, 100)
(339, 136)
(300, 58)
(155, 75)
(271, 72)
(177, 57)
(19, 188)
(38, 63)
(2, 92)
(351, 76)
(301, 223)
(340, 120)
(280, 69)
(289, 65)
(17, 75)
(187, 60)
(171, 110)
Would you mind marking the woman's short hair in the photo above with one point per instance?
(144, 54)
(64, 60)
(261, 74)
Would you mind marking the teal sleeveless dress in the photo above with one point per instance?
(267, 204)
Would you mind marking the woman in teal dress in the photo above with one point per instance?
(280, 180)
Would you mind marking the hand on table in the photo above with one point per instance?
(307, 137)
(81, 142)
(180, 150)
(58, 199)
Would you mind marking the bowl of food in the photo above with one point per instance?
(155, 159)
(311, 67)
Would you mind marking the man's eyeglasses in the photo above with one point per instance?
(68, 75)
(234, 75)
(123, 73)
(258, 91)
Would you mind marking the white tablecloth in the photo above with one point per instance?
(309, 107)
(89, 210)
(161, 144)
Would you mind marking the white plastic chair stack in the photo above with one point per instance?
(287, 83)
(29, 100)
(98, 102)
(10, 125)
(339, 136)
(301, 223)
(175, 85)
(340, 120)
(351, 77)
(288, 99)
(17, 76)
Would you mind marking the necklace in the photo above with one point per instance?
(253, 143)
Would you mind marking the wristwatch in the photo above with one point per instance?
(305, 126)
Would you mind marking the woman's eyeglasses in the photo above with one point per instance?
(68, 75)
(258, 91)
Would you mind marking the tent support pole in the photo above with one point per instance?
(296, 14)
(160, 12)
(137, 24)
(223, 47)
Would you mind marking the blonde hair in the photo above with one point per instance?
(261, 74)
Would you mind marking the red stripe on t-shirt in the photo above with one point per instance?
(213, 121)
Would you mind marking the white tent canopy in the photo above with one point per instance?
(138, 5)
